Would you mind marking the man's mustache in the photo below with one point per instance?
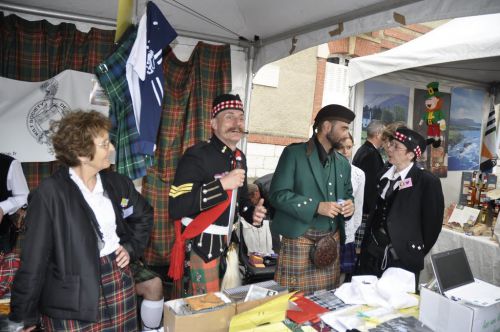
(245, 132)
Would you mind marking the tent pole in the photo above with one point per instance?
(248, 93)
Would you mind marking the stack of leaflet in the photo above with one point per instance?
(239, 293)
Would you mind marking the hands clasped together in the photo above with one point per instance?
(332, 209)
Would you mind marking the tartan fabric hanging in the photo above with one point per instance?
(124, 134)
(35, 51)
(190, 88)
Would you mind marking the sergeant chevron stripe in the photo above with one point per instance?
(180, 190)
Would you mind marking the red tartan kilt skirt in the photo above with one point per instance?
(117, 303)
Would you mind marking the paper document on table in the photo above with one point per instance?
(257, 293)
(463, 214)
(276, 327)
(270, 312)
(343, 319)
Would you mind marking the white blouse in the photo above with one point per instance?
(358, 189)
(103, 210)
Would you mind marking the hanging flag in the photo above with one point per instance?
(489, 149)
(28, 108)
(159, 35)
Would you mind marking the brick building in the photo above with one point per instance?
(293, 90)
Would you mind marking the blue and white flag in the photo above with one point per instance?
(489, 148)
(159, 34)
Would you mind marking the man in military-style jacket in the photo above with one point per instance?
(206, 174)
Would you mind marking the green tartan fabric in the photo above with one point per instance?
(141, 273)
(204, 276)
(190, 88)
(38, 50)
(124, 134)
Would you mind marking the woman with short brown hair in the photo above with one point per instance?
(74, 266)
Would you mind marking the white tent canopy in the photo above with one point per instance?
(282, 26)
(465, 49)
(464, 52)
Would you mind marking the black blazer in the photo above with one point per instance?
(415, 218)
(369, 160)
(60, 269)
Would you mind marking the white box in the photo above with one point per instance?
(442, 314)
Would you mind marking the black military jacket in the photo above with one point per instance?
(197, 187)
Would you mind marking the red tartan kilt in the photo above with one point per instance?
(117, 308)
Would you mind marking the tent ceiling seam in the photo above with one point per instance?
(342, 18)
(447, 77)
(199, 15)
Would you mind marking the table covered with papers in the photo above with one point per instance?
(390, 308)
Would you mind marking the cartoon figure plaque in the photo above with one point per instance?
(433, 115)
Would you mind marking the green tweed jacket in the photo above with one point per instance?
(298, 186)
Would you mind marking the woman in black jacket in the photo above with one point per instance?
(408, 213)
(74, 266)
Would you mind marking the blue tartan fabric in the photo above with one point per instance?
(347, 257)
(360, 233)
(124, 135)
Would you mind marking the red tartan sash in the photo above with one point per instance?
(195, 228)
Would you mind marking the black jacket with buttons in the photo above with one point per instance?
(414, 219)
(197, 188)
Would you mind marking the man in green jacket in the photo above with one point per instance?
(311, 192)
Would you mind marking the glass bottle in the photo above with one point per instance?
(473, 190)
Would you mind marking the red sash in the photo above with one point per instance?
(195, 228)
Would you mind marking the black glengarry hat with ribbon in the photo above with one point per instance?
(333, 112)
(411, 139)
(225, 102)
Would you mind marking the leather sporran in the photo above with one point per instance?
(324, 251)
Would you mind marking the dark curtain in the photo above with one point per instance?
(190, 88)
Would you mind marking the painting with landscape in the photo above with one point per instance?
(384, 101)
(465, 129)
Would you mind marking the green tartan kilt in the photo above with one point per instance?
(140, 272)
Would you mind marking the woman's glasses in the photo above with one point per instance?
(392, 144)
(104, 145)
